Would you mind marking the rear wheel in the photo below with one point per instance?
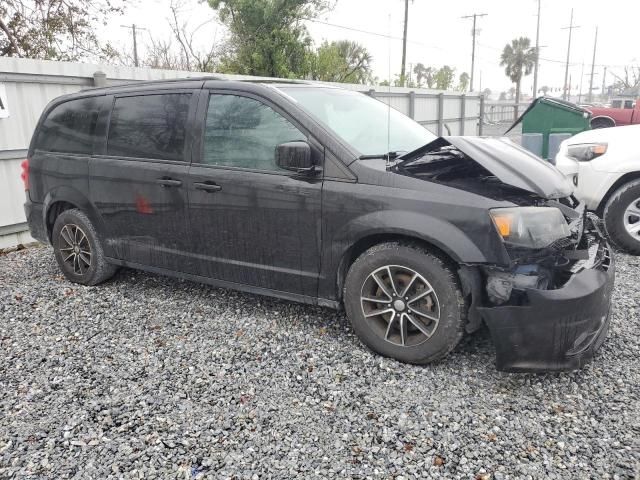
(602, 123)
(405, 303)
(78, 251)
(622, 217)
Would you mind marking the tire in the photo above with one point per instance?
(78, 250)
(622, 217)
(423, 340)
(602, 123)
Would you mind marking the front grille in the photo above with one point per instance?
(599, 256)
(563, 243)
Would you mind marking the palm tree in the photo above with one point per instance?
(464, 82)
(424, 73)
(518, 58)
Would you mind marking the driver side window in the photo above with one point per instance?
(243, 132)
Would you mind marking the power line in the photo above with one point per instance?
(473, 45)
(553, 60)
(377, 34)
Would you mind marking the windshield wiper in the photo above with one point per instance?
(384, 156)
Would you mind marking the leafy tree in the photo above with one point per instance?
(544, 89)
(55, 29)
(518, 58)
(426, 74)
(463, 82)
(444, 78)
(512, 93)
(503, 96)
(486, 92)
(343, 61)
(267, 37)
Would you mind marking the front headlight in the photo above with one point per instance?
(585, 152)
(530, 227)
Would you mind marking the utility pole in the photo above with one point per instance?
(604, 78)
(581, 78)
(134, 28)
(566, 68)
(593, 66)
(535, 68)
(404, 42)
(473, 45)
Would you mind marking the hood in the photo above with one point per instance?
(507, 161)
(626, 133)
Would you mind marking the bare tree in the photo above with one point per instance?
(161, 54)
(194, 58)
(629, 82)
(188, 48)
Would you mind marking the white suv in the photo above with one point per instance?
(604, 165)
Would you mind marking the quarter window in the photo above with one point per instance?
(70, 127)
(243, 132)
(149, 126)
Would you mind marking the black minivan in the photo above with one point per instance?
(325, 196)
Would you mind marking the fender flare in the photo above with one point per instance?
(68, 194)
(381, 226)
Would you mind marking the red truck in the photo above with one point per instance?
(621, 112)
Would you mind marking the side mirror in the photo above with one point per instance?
(295, 156)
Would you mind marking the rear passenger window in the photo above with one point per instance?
(243, 132)
(70, 127)
(149, 126)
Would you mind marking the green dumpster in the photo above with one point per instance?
(548, 115)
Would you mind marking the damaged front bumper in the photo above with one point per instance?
(556, 329)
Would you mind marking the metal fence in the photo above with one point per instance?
(31, 84)
(502, 112)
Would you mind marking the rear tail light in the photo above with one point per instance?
(25, 173)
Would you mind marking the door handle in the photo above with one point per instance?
(168, 182)
(207, 186)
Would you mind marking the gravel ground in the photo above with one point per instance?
(151, 377)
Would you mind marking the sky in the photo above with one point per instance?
(437, 35)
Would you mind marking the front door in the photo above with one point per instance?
(253, 223)
(139, 183)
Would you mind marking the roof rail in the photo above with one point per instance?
(127, 82)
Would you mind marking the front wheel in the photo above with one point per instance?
(622, 217)
(405, 303)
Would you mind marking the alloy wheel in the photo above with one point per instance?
(400, 305)
(632, 219)
(75, 249)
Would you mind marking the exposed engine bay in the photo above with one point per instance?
(449, 166)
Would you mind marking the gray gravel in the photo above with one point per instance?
(151, 377)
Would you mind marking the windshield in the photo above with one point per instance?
(361, 120)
